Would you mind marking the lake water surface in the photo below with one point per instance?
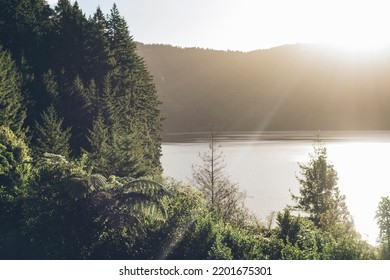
(265, 165)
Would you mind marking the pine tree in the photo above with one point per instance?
(12, 112)
(319, 195)
(113, 153)
(68, 40)
(24, 25)
(100, 146)
(134, 89)
(98, 48)
(127, 156)
(50, 136)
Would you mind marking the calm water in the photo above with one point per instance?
(266, 166)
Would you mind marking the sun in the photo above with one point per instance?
(355, 26)
(364, 42)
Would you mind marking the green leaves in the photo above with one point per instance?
(15, 160)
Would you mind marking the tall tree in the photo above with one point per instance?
(221, 195)
(319, 195)
(114, 153)
(98, 52)
(24, 26)
(12, 111)
(50, 136)
(134, 90)
(68, 39)
(99, 140)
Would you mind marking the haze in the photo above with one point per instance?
(253, 24)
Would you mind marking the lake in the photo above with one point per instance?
(265, 165)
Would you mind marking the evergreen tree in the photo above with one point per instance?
(24, 31)
(134, 89)
(50, 136)
(127, 156)
(12, 112)
(115, 154)
(51, 87)
(68, 39)
(319, 195)
(24, 25)
(100, 146)
(123, 49)
(98, 57)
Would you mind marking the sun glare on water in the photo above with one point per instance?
(363, 178)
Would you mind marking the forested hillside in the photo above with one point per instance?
(83, 87)
(292, 87)
(80, 132)
(80, 146)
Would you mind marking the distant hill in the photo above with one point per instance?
(292, 87)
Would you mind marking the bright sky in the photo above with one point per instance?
(253, 24)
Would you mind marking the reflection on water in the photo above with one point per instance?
(265, 166)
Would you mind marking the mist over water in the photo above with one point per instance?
(266, 165)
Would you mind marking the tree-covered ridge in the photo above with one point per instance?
(80, 132)
(270, 89)
(83, 71)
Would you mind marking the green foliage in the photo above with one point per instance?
(319, 195)
(12, 112)
(50, 136)
(68, 37)
(298, 238)
(207, 237)
(162, 239)
(99, 60)
(90, 68)
(15, 161)
(114, 153)
(15, 170)
(383, 220)
(72, 214)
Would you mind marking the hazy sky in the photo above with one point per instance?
(253, 24)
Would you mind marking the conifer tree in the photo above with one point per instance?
(24, 25)
(98, 48)
(100, 146)
(50, 136)
(134, 89)
(319, 195)
(69, 35)
(12, 112)
(113, 153)
(127, 156)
